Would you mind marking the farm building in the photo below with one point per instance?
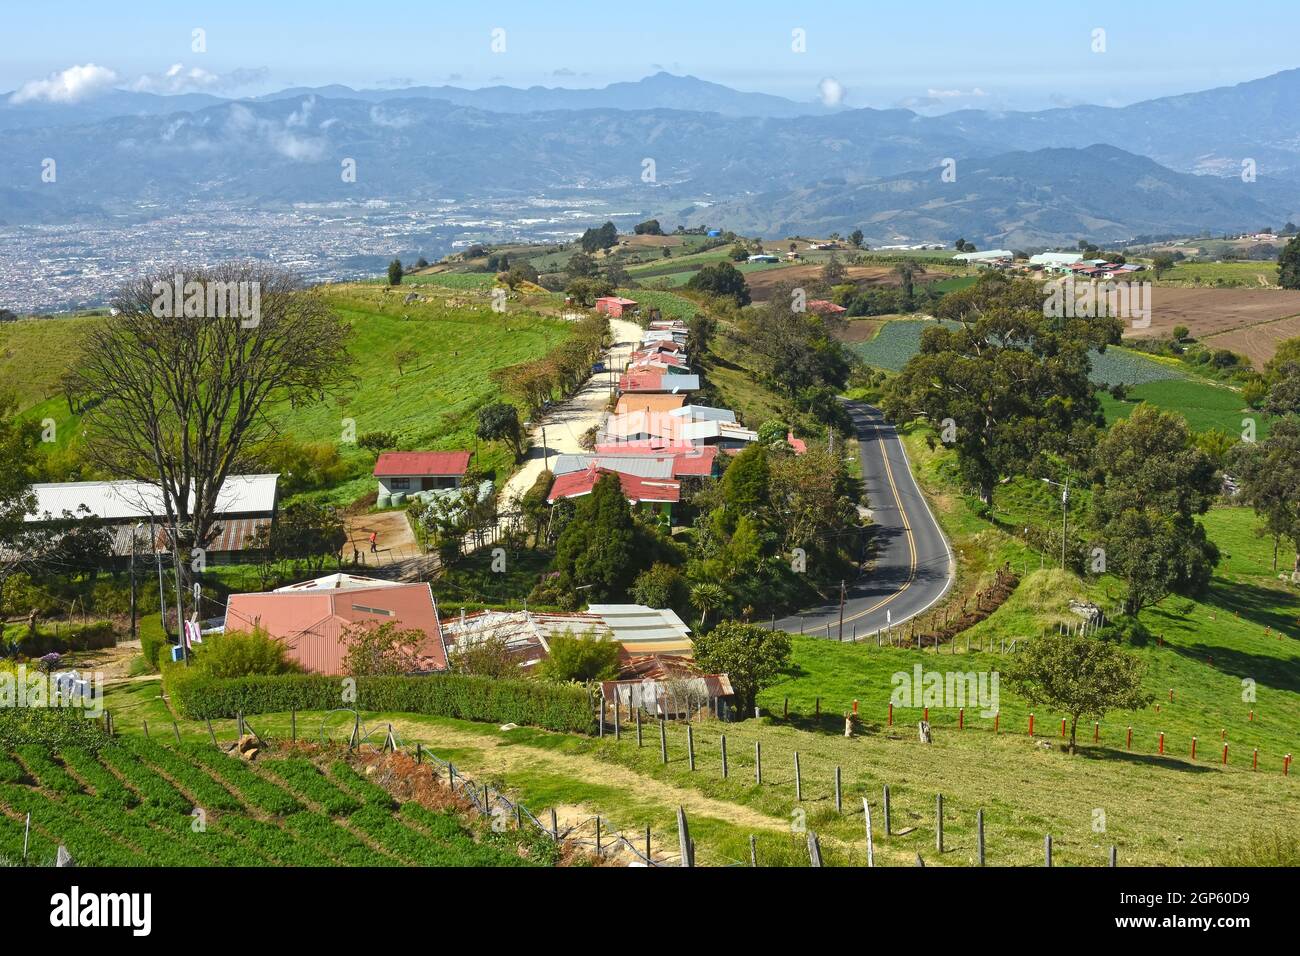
(825, 307)
(645, 630)
(135, 510)
(991, 257)
(312, 618)
(668, 686)
(694, 462)
(406, 472)
(763, 257)
(615, 306)
(1055, 261)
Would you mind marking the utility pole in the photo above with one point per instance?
(1065, 516)
(842, 597)
(162, 607)
(134, 529)
(180, 597)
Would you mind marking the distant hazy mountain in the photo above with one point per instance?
(660, 91)
(113, 103)
(874, 169)
(1018, 200)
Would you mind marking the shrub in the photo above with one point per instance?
(199, 696)
(575, 658)
(59, 638)
(51, 727)
(1126, 630)
(242, 654)
(151, 646)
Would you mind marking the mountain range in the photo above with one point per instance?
(684, 149)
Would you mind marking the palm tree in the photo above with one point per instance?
(708, 597)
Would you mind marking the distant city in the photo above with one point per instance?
(70, 266)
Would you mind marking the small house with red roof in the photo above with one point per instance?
(825, 307)
(656, 495)
(615, 305)
(410, 472)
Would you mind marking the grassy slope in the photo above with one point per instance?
(432, 403)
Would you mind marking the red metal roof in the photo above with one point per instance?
(312, 623)
(432, 463)
(635, 489)
(617, 300)
(825, 307)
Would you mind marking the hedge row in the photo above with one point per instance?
(59, 638)
(563, 708)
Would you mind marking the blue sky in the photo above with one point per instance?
(935, 55)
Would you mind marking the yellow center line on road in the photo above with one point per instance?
(907, 529)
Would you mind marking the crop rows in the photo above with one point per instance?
(256, 789)
(89, 845)
(446, 829)
(336, 839)
(359, 786)
(47, 772)
(107, 787)
(206, 792)
(304, 777)
(142, 779)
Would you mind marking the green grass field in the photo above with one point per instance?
(431, 402)
(1204, 404)
(138, 802)
(1252, 275)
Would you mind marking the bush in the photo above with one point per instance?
(51, 727)
(1126, 630)
(59, 638)
(152, 645)
(242, 654)
(199, 696)
(575, 658)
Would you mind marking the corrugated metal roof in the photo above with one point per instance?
(423, 463)
(124, 500)
(643, 466)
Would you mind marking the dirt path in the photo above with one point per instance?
(503, 760)
(565, 424)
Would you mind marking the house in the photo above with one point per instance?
(646, 462)
(825, 307)
(702, 413)
(655, 381)
(645, 630)
(656, 496)
(725, 435)
(312, 618)
(406, 472)
(136, 516)
(648, 402)
(667, 685)
(614, 306)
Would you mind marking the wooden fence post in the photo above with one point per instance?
(293, 725)
(979, 830)
(663, 742)
(839, 802)
(638, 726)
(814, 849)
(690, 747)
(798, 780)
(758, 762)
(887, 829)
(938, 823)
(753, 851)
(176, 730)
(146, 729)
(871, 849)
(555, 825)
(1114, 856)
(684, 838)
(1047, 850)
(212, 733)
(618, 734)
(724, 756)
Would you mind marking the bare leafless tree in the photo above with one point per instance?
(179, 387)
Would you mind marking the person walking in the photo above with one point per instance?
(374, 542)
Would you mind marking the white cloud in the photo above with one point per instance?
(382, 117)
(831, 91)
(177, 78)
(243, 124)
(955, 94)
(74, 83)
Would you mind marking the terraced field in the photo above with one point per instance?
(138, 802)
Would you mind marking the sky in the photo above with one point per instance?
(932, 56)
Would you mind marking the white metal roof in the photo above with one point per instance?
(987, 255)
(1055, 259)
(339, 582)
(119, 500)
(643, 466)
(636, 623)
(699, 431)
(701, 413)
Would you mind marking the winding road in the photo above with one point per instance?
(913, 563)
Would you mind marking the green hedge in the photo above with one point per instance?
(59, 637)
(563, 708)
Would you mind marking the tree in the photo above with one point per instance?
(833, 272)
(1162, 263)
(1268, 472)
(377, 442)
(18, 441)
(304, 529)
(500, 422)
(1288, 265)
(585, 292)
(1179, 333)
(1079, 677)
(906, 272)
(722, 280)
(751, 656)
(745, 485)
(244, 654)
(598, 551)
(488, 656)
(395, 272)
(383, 650)
(1149, 483)
(593, 240)
(421, 263)
(403, 358)
(648, 228)
(180, 395)
(707, 596)
(661, 586)
(580, 658)
(856, 238)
(580, 266)
(1009, 385)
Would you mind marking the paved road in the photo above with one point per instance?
(913, 563)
